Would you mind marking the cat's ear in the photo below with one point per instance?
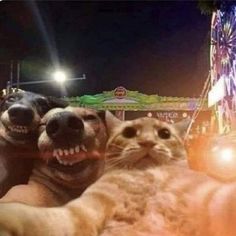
(110, 120)
(182, 127)
(102, 115)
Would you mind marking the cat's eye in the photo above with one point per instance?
(129, 132)
(164, 133)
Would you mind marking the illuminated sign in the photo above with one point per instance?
(217, 92)
(120, 92)
(166, 115)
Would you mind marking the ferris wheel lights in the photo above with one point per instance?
(222, 64)
(217, 92)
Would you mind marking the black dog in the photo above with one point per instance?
(20, 115)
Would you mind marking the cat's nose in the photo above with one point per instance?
(146, 143)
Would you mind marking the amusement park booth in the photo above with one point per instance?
(127, 104)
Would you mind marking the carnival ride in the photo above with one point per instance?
(223, 66)
(215, 153)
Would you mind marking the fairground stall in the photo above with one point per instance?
(128, 104)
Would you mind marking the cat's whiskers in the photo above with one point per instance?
(114, 162)
(115, 145)
(110, 155)
(115, 159)
(109, 167)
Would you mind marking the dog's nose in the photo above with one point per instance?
(20, 114)
(64, 125)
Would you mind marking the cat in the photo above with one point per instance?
(147, 190)
(71, 145)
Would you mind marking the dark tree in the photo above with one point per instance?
(207, 7)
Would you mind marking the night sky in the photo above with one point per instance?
(153, 47)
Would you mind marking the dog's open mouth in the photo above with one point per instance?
(72, 159)
(71, 155)
(19, 129)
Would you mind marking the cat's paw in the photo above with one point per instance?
(11, 219)
(5, 232)
(22, 220)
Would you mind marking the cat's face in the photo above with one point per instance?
(145, 142)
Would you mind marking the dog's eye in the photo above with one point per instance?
(164, 133)
(12, 99)
(90, 117)
(42, 105)
(129, 132)
(42, 102)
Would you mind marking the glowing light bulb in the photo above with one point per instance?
(226, 154)
(59, 76)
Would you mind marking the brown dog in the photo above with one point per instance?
(71, 144)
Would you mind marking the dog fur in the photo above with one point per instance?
(71, 144)
(20, 116)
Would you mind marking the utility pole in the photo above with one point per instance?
(18, 75)
(11, 73)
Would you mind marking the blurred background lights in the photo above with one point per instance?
(221, 162)
(226, 154)
(60, 76)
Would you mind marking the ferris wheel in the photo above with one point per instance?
(223, 64)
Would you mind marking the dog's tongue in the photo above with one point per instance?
(94, 155)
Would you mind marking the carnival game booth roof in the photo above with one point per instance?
(135, 104)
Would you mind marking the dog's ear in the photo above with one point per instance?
(3, 95)
(56, 102)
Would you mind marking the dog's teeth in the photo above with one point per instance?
(66, 163)
(19, 129)
(66, 152)
(72, 151)
(77, 149)
(83, 148)
(60, 152)
(59, 160)
(54, 153)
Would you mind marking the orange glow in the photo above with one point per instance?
(221, 163)
(226, 155)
